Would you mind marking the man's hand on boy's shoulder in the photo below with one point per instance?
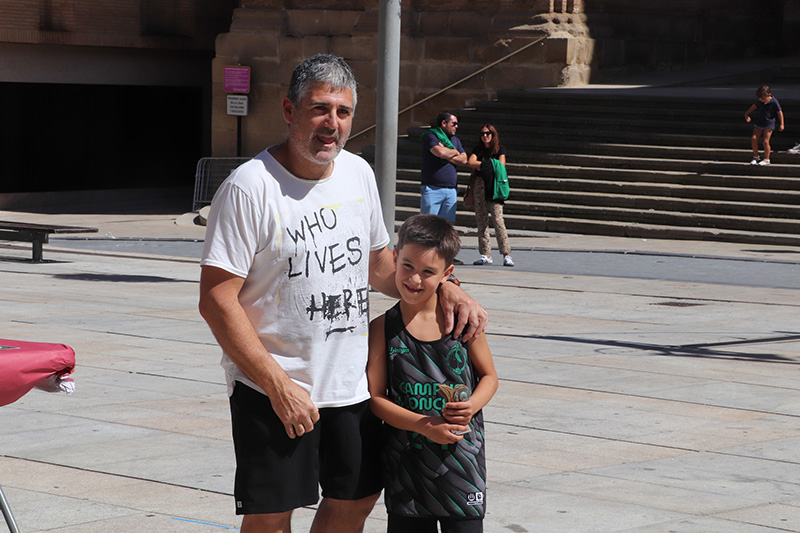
(456, 302)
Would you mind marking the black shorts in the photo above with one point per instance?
(275, 474)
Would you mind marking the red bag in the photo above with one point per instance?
(25, 364)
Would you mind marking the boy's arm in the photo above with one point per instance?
(780, 116)
(220, 307)
(749, 110)
(435, 428)
(481, 357)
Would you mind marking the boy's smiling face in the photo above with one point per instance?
(420, 270)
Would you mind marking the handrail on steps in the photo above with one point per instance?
(459, 82)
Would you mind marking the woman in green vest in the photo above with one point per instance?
(489, 182)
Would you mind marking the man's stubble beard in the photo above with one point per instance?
(304, 148)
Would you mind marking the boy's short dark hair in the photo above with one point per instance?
(431, 231)
(763, 91)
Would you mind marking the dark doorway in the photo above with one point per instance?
(58, 137)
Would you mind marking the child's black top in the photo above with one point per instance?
(423, 478)
(767, 113)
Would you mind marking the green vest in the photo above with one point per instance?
(501, 187)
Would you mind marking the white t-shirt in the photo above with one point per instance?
(303, 248)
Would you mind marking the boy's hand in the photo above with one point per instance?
(458, 412)
(747, 118)
(440, 430)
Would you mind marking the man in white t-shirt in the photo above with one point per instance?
(295, 238)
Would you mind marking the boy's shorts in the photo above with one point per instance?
(275, 474)
(404, 524)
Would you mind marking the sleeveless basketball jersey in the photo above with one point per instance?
(423, 478)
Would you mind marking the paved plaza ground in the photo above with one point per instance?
(626, 403)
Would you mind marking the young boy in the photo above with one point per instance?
(769, 110)
(429, 388)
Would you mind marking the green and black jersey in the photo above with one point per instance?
(423, 478)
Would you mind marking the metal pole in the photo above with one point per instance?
(238, 136)
(12, 524)
(386, 120)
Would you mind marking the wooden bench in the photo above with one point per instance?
(37, 234)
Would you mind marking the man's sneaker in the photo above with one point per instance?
(457, 261)
(754, 161)
(507, 261)
(764, 163)
(483, 260)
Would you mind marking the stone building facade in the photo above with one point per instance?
(129, 93)
(445, 41)
(442, 42)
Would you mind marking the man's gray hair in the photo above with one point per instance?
(325, 69)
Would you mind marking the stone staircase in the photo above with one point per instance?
(635, 162)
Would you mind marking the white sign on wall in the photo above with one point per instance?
(237, 105)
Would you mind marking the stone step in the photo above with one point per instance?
(725, 99)
(469, 122)
(527, 163)
(736, 138)
(530, 188)
(732, 136)
(621, 229)
(631, 150)
(609, 109)
(787, 75)
(521, 151)
(753, 181)
(764, 210)
(777, 169)
(642, 210)
(510, 113)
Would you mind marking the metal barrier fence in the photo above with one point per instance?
(210, 173)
